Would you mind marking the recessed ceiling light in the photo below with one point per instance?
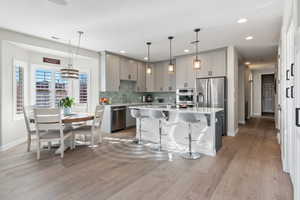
(145, 58)
(123, 51)
(186, 50)
(242, 20)
(249, 38)
(247, 63)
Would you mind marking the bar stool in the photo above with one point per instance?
(160, 116)
(136, 113)
(189, 119)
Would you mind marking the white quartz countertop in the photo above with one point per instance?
(135, 104)
(201, 110)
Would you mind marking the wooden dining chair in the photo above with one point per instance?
(94, 128)
(49, 128)
(28, 113)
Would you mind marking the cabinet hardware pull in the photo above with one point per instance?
(297, 117)
(287, 75)
(292, 69)
(287, 92)
(292, 92)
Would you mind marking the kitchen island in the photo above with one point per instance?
(207, 134)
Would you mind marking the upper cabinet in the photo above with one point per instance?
(213, 64)
(141, 77)
(110, 76)
(128, 69)
(185, 74)
(115, 68)
(150, 81)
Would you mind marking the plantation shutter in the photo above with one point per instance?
(19, 76)
(83, 88)
(43, 88)
(61, 88)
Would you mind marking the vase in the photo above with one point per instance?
(67, 111)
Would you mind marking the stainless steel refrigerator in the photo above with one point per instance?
(212, 92)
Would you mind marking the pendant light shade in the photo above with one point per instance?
(69, 72)
(171, 67)
(197, 61)
(149, 68)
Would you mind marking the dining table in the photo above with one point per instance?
(68, 121)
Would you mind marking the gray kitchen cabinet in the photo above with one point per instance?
(185, 74)
(141, 77)
(213, 64)
(110, 72)
(219, 63)
(159, 77)
(169, 78)
(150, 87)
(128, 69)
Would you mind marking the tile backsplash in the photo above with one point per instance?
(127, 94)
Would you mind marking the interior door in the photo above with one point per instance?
(268, 95)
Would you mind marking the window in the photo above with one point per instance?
(50, 87)
(83, 88)
(19, 77)
(19, 87)
(61, 88)
(43, 88)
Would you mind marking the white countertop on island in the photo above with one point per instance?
(200, 110)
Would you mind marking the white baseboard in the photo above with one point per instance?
(13, 144)
(242, 122)
(256, 114)
(233, 133)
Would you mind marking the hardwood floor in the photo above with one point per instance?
(247, 167)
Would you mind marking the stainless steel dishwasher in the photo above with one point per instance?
(118, 118)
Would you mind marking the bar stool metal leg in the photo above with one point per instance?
(191, 155)
(140, 142)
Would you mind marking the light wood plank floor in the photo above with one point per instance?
(247, 167)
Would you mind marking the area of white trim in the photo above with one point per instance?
(13, 144)
(256, 114)
(232, 134)
(242, 122)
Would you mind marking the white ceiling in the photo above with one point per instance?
(116, 25)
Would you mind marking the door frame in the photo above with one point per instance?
(262, 75)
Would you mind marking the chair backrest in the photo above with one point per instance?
(28, 114)
(48, 119)
(99, 112)
(156, 114)
(135, 113)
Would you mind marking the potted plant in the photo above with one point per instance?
(67, 103)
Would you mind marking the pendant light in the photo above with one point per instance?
(171, 67)
(69, 72)
(149, 68)
(197, 61)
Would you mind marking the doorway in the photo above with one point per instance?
(268, 95)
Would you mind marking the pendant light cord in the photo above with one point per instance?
(170, 51)
(197, 41)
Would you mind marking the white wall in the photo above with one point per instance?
(232, 91)
(257, 88)
(248, 85)
(13, 131)
(241, 94)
